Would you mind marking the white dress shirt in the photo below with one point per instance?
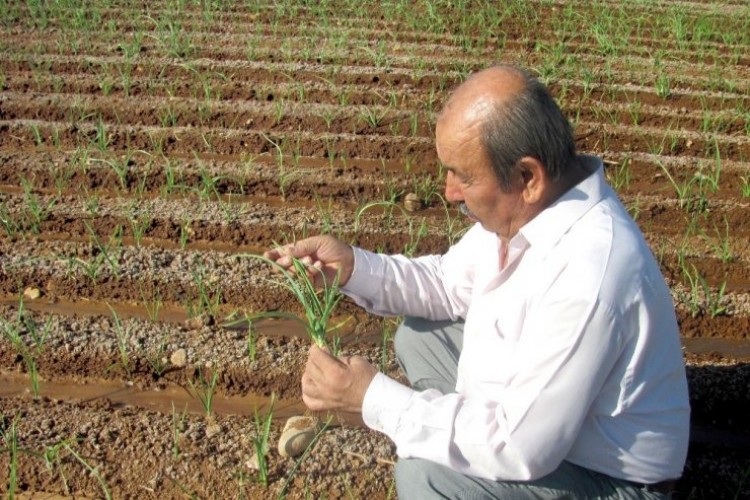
(570, 352)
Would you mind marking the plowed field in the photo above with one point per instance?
(147, 148)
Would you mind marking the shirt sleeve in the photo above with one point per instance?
(434, 287)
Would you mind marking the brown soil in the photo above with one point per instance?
(145, 151)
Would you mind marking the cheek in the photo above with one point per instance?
(482, 200)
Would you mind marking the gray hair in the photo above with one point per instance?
(528, 124)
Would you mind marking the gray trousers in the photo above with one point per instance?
(428, 353)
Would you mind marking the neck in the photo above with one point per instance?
(578, 172)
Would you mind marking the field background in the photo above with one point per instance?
(148, 148)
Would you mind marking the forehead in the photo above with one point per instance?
(459, 127)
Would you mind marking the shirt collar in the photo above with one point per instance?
(546, 229)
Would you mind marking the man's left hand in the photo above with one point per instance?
(335, 383)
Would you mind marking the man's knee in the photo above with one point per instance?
(405, 340)
(413, 478)
(417, 478)
(414, 334)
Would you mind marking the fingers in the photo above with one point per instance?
(321, 382)
(315, 397)
(322, 365)
(303, 251)
(326, 260)
(310, 393)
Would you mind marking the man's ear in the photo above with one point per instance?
(535, 180)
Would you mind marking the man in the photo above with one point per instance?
(542, 349)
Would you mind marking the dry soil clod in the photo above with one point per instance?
(179, 358)
(297, 435)
(32, 293)
(412, 203)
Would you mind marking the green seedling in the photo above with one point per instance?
(38, 139)
(10, 223)
(94, 471)
(168, 117)
(328, 114)
(387, 205)
(110, 253)
(91, 268)
(619, 175)
(122, 335)
(101, 139)
(325, 215)
(370, 117)
(426, 187)
(455, 225)
(35, 211)
(231, 211)
(203, 390)
(29, 352)
(683, 190)
(252, 338)
(9, 435)
(285, 176)
(208, 185)
(722, 244)
(139, 225)
(185, 232)
(387, 332)
(53, 460)
(178, 427)
(62, 176)
(261, 440)
(209, 296)
(700, 299)
(153, 306)
(745, 187)
(121, 167)
(156, 358)
(663, 86)
(318, 303)
(415, 236)
(171, 184)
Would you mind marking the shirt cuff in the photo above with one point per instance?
(367, 274)
(384, 403)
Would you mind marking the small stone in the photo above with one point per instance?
(32, 293)
(178, 358)
(195, 323)
(297, 435)
(212, 430)
(412, 203)
(198, 322)
(252, 463)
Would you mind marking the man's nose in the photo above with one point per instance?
(453, 192)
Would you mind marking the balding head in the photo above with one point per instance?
(478, 96)
(515, 117)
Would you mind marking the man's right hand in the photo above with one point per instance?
(320, 254)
